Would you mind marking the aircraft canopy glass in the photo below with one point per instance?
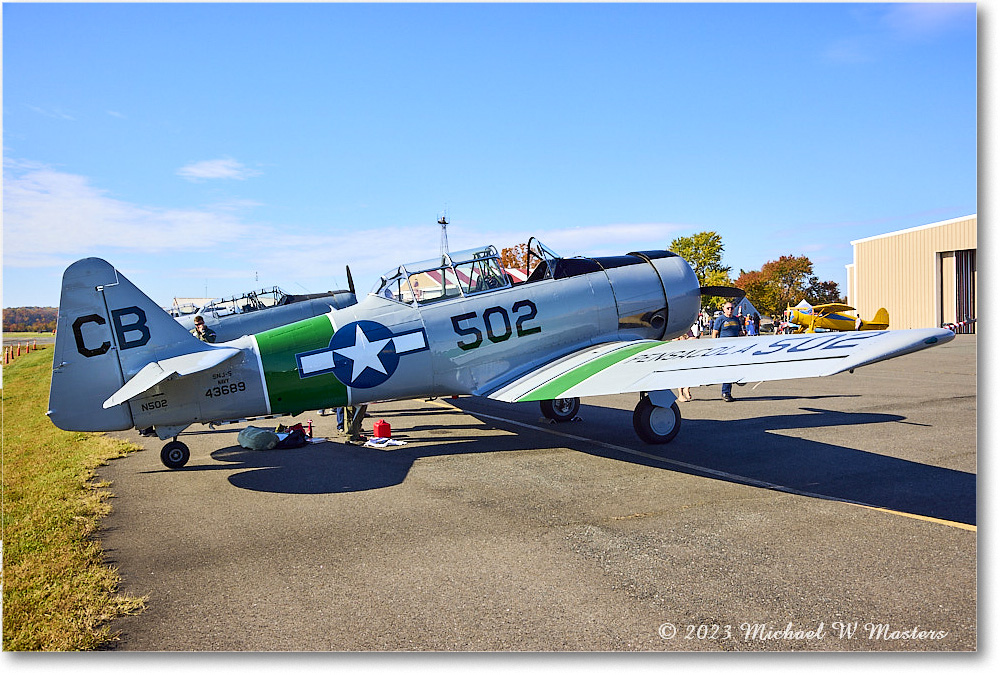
(541, 260)
(455, 274)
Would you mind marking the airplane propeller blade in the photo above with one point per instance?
(350, 279)
(724, 292)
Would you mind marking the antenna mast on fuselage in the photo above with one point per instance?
(443, 222)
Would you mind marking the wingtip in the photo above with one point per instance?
(944, 335)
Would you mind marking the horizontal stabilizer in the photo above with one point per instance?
(178, 366)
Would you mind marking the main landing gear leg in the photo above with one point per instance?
(175, 454)
(657, 419)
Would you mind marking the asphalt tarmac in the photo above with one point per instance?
(808, 515)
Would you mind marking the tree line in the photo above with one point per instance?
(778, 284)
(29, 319)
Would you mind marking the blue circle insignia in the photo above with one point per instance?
(364, 355)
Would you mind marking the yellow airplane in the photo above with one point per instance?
(831, 317)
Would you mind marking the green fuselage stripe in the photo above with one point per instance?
(287, 392)
(556, 387)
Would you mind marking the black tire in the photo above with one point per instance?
(560, 409)
(656, 425)
(174, 455)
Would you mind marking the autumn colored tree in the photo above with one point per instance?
(784, 282)
(762, 293)
(29, 319)
(514, 257)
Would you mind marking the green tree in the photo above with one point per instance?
(703, 251)
(784, 282)
(824, 292)
(715, 278)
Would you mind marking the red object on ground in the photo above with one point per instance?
(382, 429)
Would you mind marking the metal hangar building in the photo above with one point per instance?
(924, 276)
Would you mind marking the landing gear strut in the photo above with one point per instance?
(656, 424)
(175, 454)
(560, 409)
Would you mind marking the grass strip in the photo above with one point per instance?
(58, 592)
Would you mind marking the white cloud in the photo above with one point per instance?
(53, 113)
(371, 252)
(52, 216)
(613, 239)
(211, 169)
(883, 29)
(919, 21)
(851, 50)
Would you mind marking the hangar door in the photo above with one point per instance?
(965, 287)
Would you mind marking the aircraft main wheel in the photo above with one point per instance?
(174, 455)
(654, 424)
(561, 409)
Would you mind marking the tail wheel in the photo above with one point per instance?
(656, 425)
(561, 409)
(174, 455)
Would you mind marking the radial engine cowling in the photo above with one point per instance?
(656, 293)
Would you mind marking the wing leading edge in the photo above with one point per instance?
(649, 365)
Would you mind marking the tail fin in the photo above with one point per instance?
(107, 331)
(880, 322)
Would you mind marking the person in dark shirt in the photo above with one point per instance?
(727, 325)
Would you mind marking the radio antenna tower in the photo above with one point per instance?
(443, 222)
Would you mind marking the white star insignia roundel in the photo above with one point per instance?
(364, 354)
(361, 354)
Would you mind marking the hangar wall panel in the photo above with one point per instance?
(912, 273)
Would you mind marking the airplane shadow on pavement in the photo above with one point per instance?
(748, 452)
(322, 468)
(743, 450)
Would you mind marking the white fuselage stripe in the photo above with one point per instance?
(255, 348)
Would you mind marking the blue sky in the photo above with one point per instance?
(226, 147)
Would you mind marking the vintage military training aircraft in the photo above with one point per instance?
(831, 316)
(453, 325)
(257, 311)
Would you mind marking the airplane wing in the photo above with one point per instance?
(178, 366)
(832, 308)
(650, 365)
